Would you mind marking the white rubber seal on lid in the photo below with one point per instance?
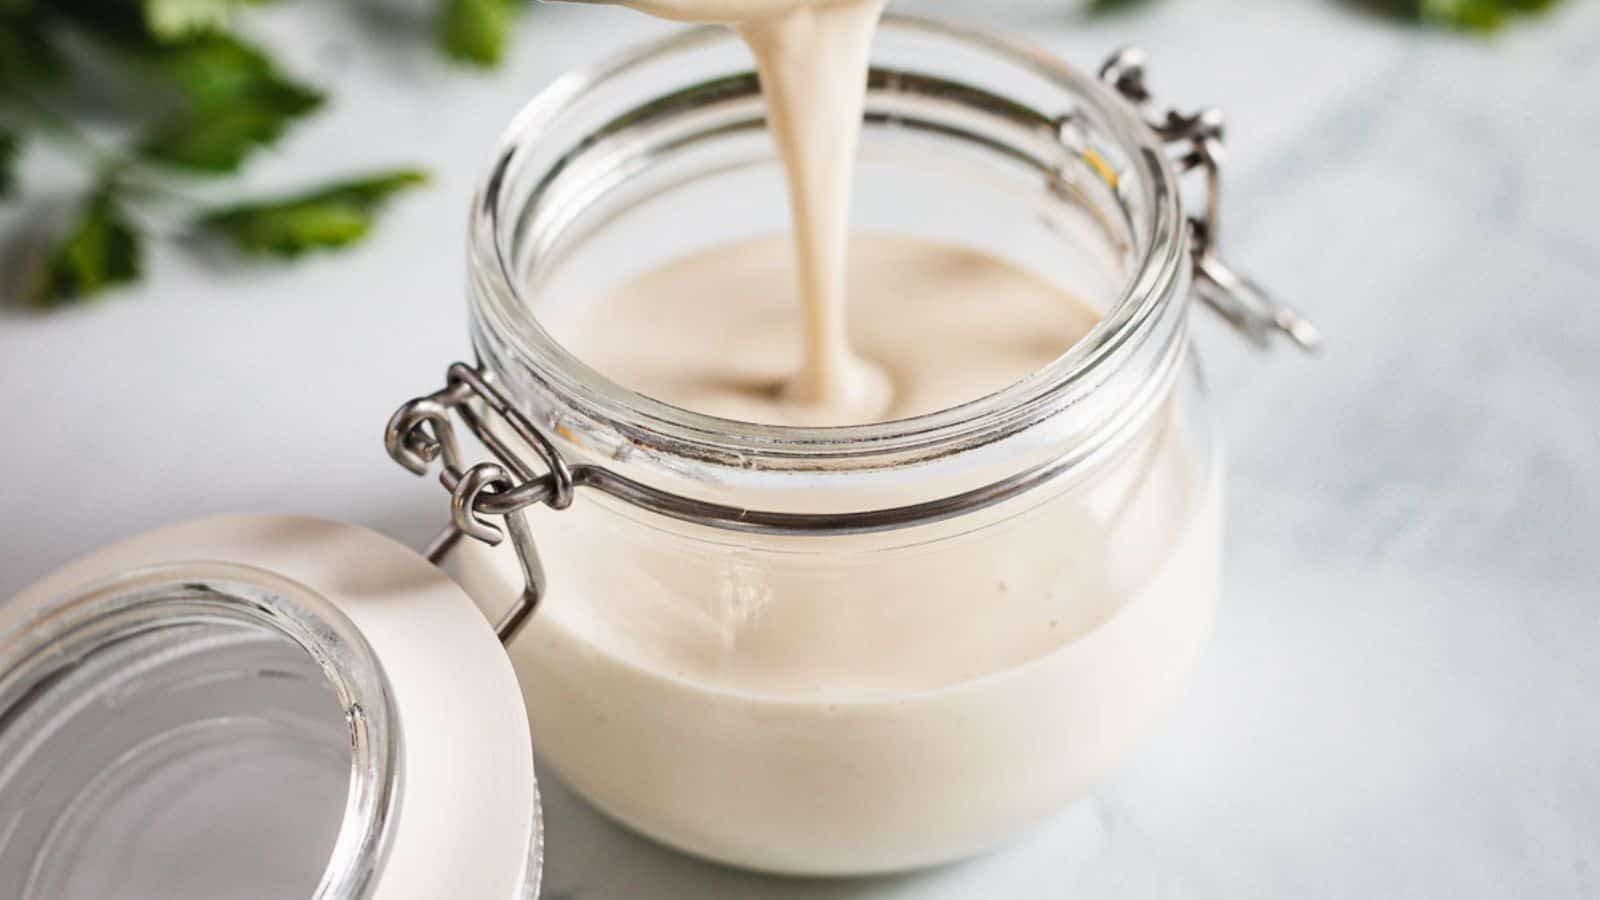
(464, 820)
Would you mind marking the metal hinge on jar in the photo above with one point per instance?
(422, 432)
(1199, 139)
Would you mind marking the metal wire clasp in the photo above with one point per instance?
(1199, 138)
(422, 432)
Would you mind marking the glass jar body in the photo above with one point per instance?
(846, 707)
(845, 703)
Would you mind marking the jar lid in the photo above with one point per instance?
(290, 701)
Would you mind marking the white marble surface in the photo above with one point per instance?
(1403, 698)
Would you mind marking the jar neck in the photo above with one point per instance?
(599, 144)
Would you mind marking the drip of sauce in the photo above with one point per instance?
(812, 61)
(813, 66)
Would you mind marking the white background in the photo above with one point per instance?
(1403, 698)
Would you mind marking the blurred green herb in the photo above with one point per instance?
(207, 101)
(101, 249)
(1472, 15)
(332, 216)
(233, 101)
(1099, 7)
(476, 31)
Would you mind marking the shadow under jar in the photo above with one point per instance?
(935, 631)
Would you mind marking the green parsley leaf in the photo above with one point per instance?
(476, 31)
(236, 101)
(101, 250)
(218, 138)
(1104, 7)
(1468, 15)
(214, 69)
(1478, 15)
(10, 144)
(331, 216)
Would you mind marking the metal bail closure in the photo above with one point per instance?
(1199, 139)
(421, 432)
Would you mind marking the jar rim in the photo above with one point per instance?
(503, 303)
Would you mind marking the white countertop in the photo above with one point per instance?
(1403, 696)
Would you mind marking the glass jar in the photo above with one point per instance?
(854, 649)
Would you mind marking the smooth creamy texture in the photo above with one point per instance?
(849, 711)
(858, 704)
(812, 60)
(813, 65)
(715, 332)
(724, 11)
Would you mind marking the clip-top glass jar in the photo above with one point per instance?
(806, 650)
(851, 649)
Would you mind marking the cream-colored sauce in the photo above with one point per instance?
(835, 710)
(812, 60)
(715, 332)
(727, 12)
(813, 65)
(857, 704)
